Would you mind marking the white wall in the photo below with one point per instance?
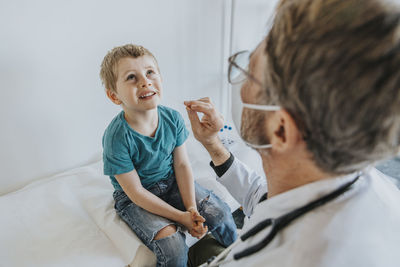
(53, 110)
(250, 23)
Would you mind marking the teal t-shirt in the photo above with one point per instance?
(124, 149)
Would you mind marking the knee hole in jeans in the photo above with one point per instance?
(165, 232)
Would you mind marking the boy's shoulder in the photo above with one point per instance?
(169, 112)
(116, 130)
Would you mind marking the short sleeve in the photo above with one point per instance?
(182, 132)
(116, 156)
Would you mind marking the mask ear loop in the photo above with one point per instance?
(258, 146)
(263, 108)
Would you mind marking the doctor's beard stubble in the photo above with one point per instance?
(253, 127)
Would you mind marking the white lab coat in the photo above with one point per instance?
(359, 228)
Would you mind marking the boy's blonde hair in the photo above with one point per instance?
(108, 71)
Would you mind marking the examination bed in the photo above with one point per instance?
(69, 220)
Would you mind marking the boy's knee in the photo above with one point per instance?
(215, 211)
(171, 250)
(166, 231)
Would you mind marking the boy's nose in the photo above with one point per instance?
(144, 82)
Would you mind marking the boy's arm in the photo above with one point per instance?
(184, 177)
(130, 183)
(185, 181)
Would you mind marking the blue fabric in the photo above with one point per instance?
(172, 250)
(124, 149)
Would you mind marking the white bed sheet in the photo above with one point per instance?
(64, 220)
(69, 220)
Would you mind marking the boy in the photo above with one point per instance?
(144, 154)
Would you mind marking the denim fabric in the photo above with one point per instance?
(216, 212)
(172, 250)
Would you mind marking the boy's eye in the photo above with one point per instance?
(150, 72)
(130, 77)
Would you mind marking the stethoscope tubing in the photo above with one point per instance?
(277, 225)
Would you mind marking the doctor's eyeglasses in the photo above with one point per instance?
(238, 70)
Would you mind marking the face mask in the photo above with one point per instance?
(237, 108)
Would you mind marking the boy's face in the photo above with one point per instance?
(138, 84)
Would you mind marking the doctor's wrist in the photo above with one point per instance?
(210, 142)
(219, 154)
(222, 168)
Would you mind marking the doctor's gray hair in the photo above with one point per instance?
(334, 65)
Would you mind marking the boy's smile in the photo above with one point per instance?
(147, 95)
(138, 84)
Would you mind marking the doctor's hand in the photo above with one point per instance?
(204, 130)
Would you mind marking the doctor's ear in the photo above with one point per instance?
(283, 131)
(113, 97)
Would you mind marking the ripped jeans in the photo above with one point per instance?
(172, 250)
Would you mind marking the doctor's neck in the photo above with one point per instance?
(283, 172)
(287, 172)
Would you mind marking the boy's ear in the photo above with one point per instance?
(113, 97)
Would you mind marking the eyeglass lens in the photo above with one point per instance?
(239, 64)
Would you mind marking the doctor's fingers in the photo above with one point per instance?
(201, 106)
(214, 123)
(203, 99)
(206, 100)
(208, 105)
(194, 118)
(207, 109)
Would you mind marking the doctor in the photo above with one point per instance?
(321, 105)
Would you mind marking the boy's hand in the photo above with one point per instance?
(198, 230)
(187, 220)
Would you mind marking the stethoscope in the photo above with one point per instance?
(277, 224)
